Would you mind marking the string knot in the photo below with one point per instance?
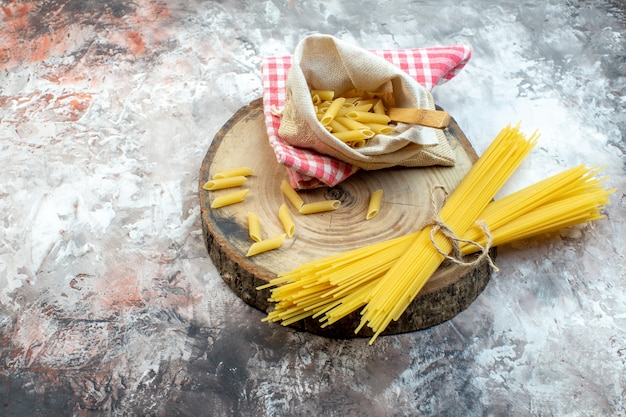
(438, 225)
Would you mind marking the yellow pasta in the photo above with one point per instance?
(353, 135)
(374, 204)
(367, 117)
(394, 278)
(337, 127)
(319, 96)
(235, 172)
(401, 284)
(227, 182)
(230, 198)
(332, 110)
(371, 101)
(351, 108)
(352, 124)
(340, 284)
(356, 110)
(286, 220)
(291, 194)
(320, 206)
(265, 245)
(254, 227)
(357, 143)
(379, 128)
(379, 108)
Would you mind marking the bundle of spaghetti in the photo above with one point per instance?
(566, 199)
(309, 289)
(401, 284)
(337, 285)
(571, 197)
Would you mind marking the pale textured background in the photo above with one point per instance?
(109, 305)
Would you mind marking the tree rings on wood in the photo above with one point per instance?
(406, 207)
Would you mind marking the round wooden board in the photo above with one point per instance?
(243, 141)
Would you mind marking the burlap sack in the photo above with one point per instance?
(326, 63)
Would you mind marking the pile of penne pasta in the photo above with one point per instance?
(237, 177)
(353, 118)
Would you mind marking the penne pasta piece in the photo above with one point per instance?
(291, 194)
(379, 108)
(286, 220)
(265, 245)
(351, 124)
(374, 205)
(380, 128)
(367, 117)
(254, 227)
(323, 95)
(230, 198)
(221, 183)
(353, 135)
(323, 106)
(357, 144)
(235, 172)
(332, 110)
(320, 206)
(337, 127)
(347, 109)
(371, 101)
(350, 101)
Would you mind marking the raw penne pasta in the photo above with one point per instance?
(332, 110)
(367, 117)
(320, 206)
(359, 111)
(353, 135)
(337, 127)
(323, 106)
(379, 108)
(221, 183)
(351, 124)
(357, 144)
(230, 198)
(347, 109)
(254, 227)
(380, 128)
(235, 172)
(322, 95)
(291, 194)
(374, 204)
(371, 101)
(286, 220)
(265, 245)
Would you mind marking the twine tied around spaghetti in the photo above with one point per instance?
(438, 225)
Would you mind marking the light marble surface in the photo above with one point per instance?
(109, 304)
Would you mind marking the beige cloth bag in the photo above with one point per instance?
(326, 63)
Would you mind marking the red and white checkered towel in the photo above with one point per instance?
(308, 169)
